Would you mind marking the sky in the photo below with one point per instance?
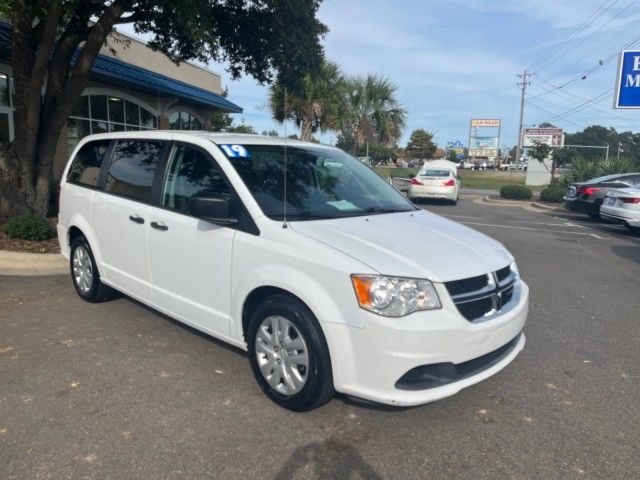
(454, 60)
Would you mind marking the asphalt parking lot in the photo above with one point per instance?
(116, 390)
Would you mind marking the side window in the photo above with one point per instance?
(85, 167)
(191, 172)
(133, 165)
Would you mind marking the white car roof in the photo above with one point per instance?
(215, 137)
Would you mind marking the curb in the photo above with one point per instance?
(518, 203)
(32, 264)
(546, 207)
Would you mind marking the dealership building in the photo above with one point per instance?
(131, 87)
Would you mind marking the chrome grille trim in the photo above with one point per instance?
(499, 295)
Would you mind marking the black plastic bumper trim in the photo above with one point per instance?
(438, 374)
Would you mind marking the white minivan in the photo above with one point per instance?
(300, 254)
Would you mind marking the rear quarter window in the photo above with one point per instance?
(85, 167)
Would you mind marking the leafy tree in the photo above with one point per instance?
(270, 133)
(453, 157)
(371, 111)
(421, 144)
(261, 38)
(558, 156)
(314, 104)
(242, 128)
(220, 121)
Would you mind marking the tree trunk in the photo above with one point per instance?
(14, 197)
(306, 131)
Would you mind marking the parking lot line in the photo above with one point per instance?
(514, 227)
(465, 216)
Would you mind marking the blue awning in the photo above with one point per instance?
(116, 72)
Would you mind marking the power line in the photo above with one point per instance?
(581, 106)
(585, 23)
(576, 97)
(586, 37)
(583, 76)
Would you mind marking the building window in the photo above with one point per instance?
(106, 113)
(184, 121)
(6, 108)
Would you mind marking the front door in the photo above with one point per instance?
(190, 259)
(119, 215)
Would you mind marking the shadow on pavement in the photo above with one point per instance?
(327, 459)
(627, 252)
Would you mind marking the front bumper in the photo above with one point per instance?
(373, 359)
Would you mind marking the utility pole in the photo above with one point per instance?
(522, 84)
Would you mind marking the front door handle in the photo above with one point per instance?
(159, 226)
(136, 218)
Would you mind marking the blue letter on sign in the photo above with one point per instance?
(628, 80)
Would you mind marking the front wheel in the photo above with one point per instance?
(289, 355)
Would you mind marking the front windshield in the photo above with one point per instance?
(321, 183)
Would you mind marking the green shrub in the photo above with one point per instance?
(553, 193)
(28, 227)
(516, 192)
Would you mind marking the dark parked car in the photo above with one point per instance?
(588, 196)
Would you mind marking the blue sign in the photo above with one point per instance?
(235, 151)
(628, 80)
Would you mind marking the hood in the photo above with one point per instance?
(412, 244)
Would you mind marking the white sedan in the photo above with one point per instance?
(622, 205)
(435, 182)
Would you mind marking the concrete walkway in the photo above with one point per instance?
(29, 264)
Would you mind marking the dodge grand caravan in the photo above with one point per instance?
(298, 253)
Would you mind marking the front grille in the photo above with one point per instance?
(484, 295)
(503, 273)
(467, 285)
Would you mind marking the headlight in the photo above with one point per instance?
(394, 296)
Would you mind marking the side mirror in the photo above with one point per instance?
(212, 208)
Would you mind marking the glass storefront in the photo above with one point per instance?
(106, 113)
(6, 108)
(184, 121)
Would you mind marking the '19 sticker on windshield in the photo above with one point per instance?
(235, 151)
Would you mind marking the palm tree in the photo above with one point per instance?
(314, 105)
(371, 111)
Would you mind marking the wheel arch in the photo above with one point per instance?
(79, 227)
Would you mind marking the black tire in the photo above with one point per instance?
(632, 229)
(318, 388)
(97, 291)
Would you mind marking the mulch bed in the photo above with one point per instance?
(27, 246)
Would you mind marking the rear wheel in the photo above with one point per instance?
(289, 355)
(84, 273)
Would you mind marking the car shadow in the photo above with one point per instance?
(627, 252)
(184, 326)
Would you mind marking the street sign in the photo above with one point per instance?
(628, 80)
(554, 137)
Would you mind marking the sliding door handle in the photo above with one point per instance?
(159, 226)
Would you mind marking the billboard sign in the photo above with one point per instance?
(485, 122)
(484, 143)
(554, 137)
(484, 137)
(628, 80)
